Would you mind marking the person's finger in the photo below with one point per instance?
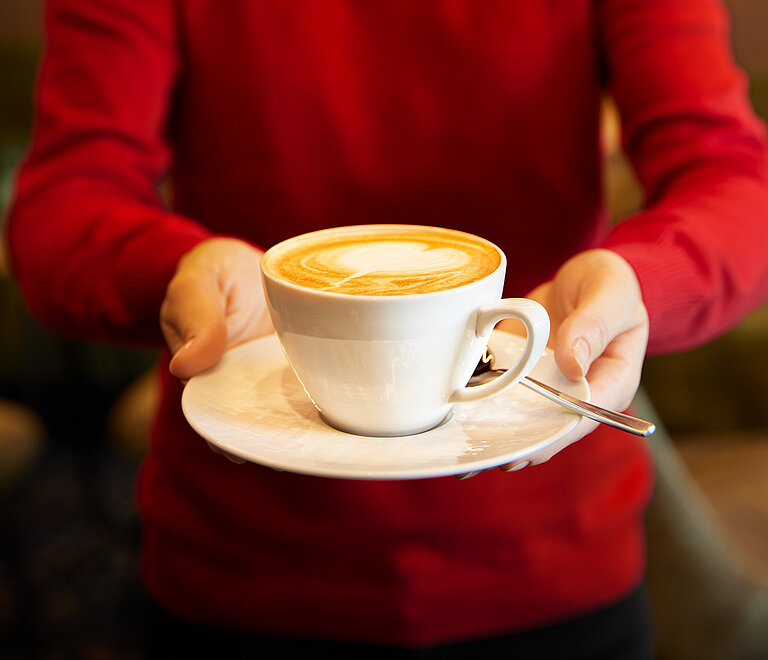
(193, 321)
(515, 466)
(226, 454)
(609, 304)
(584, 427)
(615, 376)
(588, 332)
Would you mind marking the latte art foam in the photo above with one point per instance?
(382, 260)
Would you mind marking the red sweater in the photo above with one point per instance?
(272, 118)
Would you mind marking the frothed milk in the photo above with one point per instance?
(376, 260)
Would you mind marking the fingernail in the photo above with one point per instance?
(174, 358)
(181, 349)
(514, 468)
(580, 352)
(468, 475)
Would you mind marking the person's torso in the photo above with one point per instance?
(303, 114)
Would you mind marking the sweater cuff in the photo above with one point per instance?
(670, 288)
(148, 264)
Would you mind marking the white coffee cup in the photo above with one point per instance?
(384, 324)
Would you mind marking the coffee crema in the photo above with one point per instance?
(382, 260)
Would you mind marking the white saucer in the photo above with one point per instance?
(251, 405)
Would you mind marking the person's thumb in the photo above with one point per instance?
(193, 321)
(583, 337)
(608, 305)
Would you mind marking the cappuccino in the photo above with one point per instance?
(384, 324)
(383, 260)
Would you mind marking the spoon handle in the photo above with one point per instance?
(617, 420)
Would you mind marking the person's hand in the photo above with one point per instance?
(599, 330)
(214, 301)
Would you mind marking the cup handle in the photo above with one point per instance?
(536, 321)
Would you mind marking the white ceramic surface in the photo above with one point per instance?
(394, 364)
(251, 405)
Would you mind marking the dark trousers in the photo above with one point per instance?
(621, 631)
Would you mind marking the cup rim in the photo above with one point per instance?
(378, 297)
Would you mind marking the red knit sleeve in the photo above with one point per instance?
(91, 245)
(700, 248)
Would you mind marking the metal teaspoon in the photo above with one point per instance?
(485, 372)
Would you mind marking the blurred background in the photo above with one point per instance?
(73, 425)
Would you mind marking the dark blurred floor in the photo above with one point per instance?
(69, 585)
